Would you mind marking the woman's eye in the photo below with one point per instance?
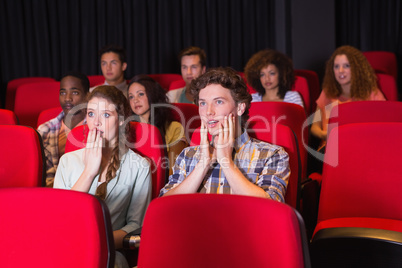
(201, 103)
(219, 102)
(141, 94)
(90, 114)
(106, 115)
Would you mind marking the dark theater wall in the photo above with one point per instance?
(48, 38)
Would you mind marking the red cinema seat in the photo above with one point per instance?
(364, 112)
(12, 86)
(32, 99)
(164, 79)
(7, 117)
(289, 114)
(387, 85)
(48, 114)
(21, 157)
(213, 230)
(66, 228)
(313, 84)
(383, 62)
(177, 84)
(359, 215)
(187, 114)
(302, 87)
(95, 80)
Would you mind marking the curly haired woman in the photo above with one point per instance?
(271, 74)
(348, 77)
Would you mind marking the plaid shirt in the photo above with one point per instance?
(263, 164)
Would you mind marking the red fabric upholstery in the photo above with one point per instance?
(362, 172)
(48, 114)
(383, 62)
(54, 228)
(12, 86)
(364, 112)
(148, 143)
(301, 86)
(7, 117)
(289, 114)
(388, 87)
(279, 135)
(95, 80)
(187, 114)
(165, 79)
(21, 157)
(313, 85)
(177, 84)
(210, 230)
(31, 99)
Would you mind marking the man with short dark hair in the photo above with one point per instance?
(113, 64)
(231, 162)
(192, 65)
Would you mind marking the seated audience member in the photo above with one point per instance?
(271, 74)
(107, 168)
(74, 87)
(348, 77)
(192, 65)
(231, 162)
(113, 64)
(149, 103)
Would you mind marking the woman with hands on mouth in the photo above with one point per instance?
(348, 77)
(149, 104)
(107, 168)
(231, 162)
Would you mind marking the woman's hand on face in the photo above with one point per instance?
(93, 152)
(225, 141)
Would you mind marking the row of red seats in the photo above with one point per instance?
(356, 145)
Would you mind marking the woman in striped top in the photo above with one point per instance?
(271, 74)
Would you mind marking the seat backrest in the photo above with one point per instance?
(48, 114)
(12, 86)
(301, 86)
(21, 157)
(365, 112)
(187, 114)
(149, 144)
(31, 99)
(165, 79)
(212, 230)
(383, 62)
(313, 85)
(362, 172)
(146, 141)
(283, 136)
(177, 84)
(288, 114)
(7, 117)
(387, 85)
(95, 80)
(66, 229)
(277, 134)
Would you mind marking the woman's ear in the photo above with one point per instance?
(241, 107)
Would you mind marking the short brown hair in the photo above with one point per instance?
(227, 78)
(194, 51)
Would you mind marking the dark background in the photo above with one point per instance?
(50, 37)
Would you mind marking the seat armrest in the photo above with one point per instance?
(132, 240)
